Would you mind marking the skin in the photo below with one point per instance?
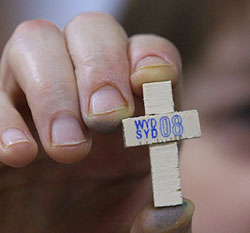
(50, 76)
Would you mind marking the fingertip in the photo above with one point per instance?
(19, 154)
(153, 59)
(152, 69)
(174, 219)
(71, 153)
(108, 122)
(107, 108)
(64, 136)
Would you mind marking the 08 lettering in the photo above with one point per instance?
(177, 126)
(147, 127)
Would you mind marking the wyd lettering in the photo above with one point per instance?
(151, 128)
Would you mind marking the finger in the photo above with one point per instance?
(175, 219)
(39, 61)
(17, 146)
(152, 58)
(98, 47)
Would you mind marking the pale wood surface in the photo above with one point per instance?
(158, 97)
(165, 174)
(142, 130)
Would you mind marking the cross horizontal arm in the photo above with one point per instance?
(165, 127)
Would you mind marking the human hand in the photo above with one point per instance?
(59, 91)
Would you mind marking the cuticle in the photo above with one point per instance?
(152, 67)
(17, 128)
(107, 112)
(151, 55)
(70, 145)
(19, 142)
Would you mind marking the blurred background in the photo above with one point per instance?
(13, 12)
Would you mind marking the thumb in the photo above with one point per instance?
(174, 219)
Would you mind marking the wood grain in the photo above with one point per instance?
(158, 97)
(165, 174)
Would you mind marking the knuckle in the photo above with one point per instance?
(150, 37)
(88, 16)
(30, 34)
(31, 25)
(162, 40)
(41, 92)
(113, 60)
(156, 42)
(45, 89)
(92, 16)
(38, 89)
(42, 88)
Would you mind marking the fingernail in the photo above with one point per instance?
(66, 131)
(106, 99)
(13, 136)
(153, 69)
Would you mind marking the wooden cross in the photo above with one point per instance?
(161, 125)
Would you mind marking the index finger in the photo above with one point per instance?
(152, 58)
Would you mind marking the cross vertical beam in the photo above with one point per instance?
(158, 98)
(165, 174)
